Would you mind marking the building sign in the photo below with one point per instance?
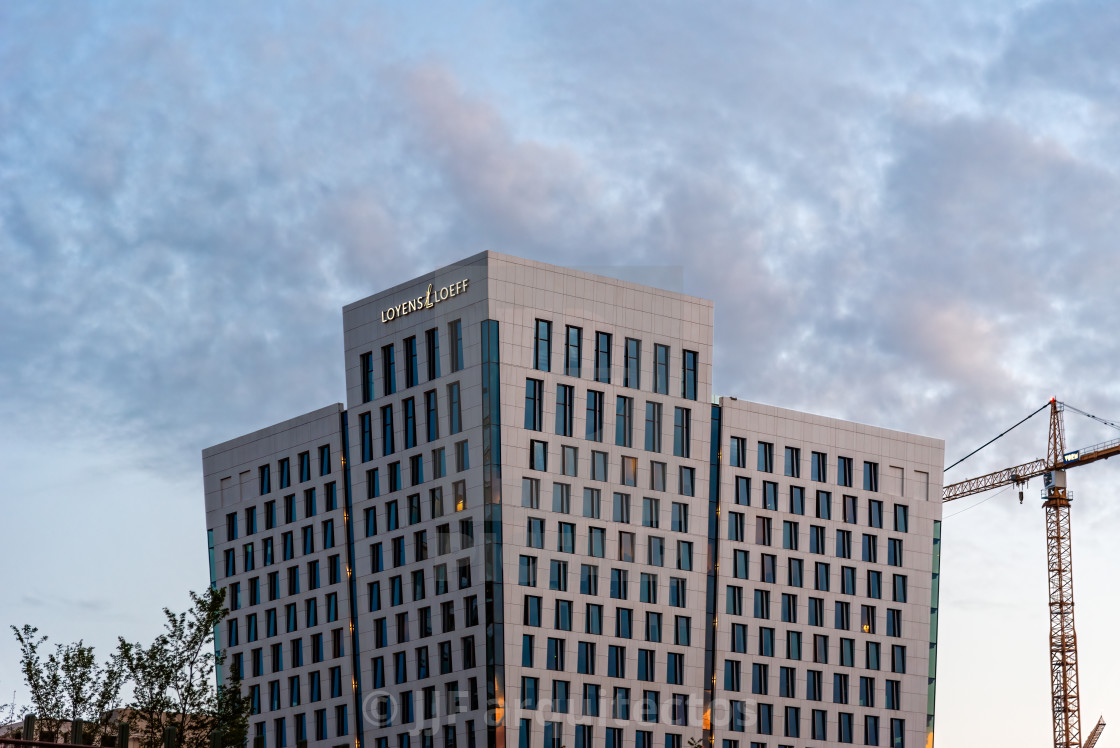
(427, 301)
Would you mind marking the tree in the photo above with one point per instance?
(68, 684)
(173, 680)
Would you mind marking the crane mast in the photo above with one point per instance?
(1065, 696)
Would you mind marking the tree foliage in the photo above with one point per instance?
(173, 680)
(68, 684)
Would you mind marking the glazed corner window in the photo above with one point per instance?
(431, 340)
(844, 470)
(573, 351)
(542, 345)
(870, 476)
(455, 333)
(534, 404)
(265, 479)
(688, 375)
(366, 365)
(765, 457)
(661, 369)
(603, 357)
(388, 370)
(632, 369)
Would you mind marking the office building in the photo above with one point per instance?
(530, 525)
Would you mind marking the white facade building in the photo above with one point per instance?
(530, 526)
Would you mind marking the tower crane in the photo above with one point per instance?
(1065, 695)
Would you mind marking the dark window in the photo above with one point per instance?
(632, 370)
(682, 432)
(594, 416)
(624, 422)
(366, 365)
(819, 467)
(765, 457)
(565, 409)
(573, 348)
(388, 371)
(534, 404)
(411, 367)
(455, 414)
(409, 405)
(688, 375)
(844, 471)
(365, 421)
(653, 427)
(542, 346)
(455, 332)
(661, 369)
(388, 441)
(431, 409)
(431, 338)
(603, 357)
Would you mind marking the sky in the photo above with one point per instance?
(906, 214)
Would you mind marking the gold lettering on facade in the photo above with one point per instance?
(430, 298)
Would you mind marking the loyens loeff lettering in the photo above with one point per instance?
(427, 301)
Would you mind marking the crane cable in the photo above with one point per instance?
(1067, 406)
(1005, 433)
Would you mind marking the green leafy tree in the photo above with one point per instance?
(68, 684)
(173, 680)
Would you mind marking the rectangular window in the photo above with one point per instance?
(629, 475)
(542, 345)
(304, 467)
(365, 363)
(285, 472)
(870, 476)
(738, 452)
(765, 457)
(653, 427)
(742, 490)
(688, 481)
(388, 370)
(538, 455)
(411, 369)
(265, 480)
(565, 409)
(455, 413)
(573, 351)
(409, 406)
(824, 505)
(661, 369)
(365, 426)
(793, 462)
(534, 404)
(688, 375)
(455, 333)
(819, 467)
(603, 357)
(631, 373)
(624, 422)
(431, 339)
(462, 456)
(875, 513)
(431, 415)
(682, 432)
(844, 471)
(591, 501)
(901, 518)
(388, 445)
(594, 416)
